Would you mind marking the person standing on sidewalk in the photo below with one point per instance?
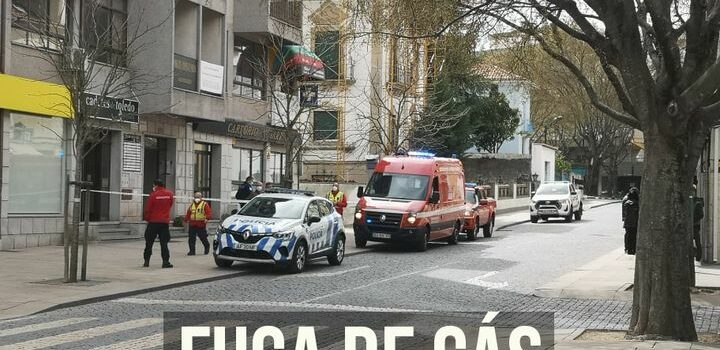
(157, 215)
(337, 198)
(630, 216)
(198, 214)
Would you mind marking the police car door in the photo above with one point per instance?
(316, 230)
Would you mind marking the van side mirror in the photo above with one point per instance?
(574, 193)
(435, 198)
(360, 192)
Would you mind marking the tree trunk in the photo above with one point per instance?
(661, 295)
(289, 161)
(76, 207)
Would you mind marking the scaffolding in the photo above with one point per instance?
(342, 86)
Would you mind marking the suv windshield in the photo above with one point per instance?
(551, 189)
(398, 186)
(278, 208)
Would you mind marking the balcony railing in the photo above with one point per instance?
(287, 11)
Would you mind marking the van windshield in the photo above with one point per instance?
(398, 186)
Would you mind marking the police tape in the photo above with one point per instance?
(235, 201)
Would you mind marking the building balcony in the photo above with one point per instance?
(278, 18)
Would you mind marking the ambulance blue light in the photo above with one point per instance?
(421, 154)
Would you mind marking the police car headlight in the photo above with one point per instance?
(412, 217)
(283, 234)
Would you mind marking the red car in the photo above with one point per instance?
(479, 213)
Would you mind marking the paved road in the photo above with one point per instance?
(499, 273)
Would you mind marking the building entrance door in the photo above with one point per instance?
(157, 164)
(97, 169)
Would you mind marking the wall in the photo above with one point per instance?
(540, 155)
(491, 167)
(518, 98)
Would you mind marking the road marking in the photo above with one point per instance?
(376, 282)
(158, 339)
(44, 326)
(263, 304)
(20, 319)
(54, 341)
(322, 274)
(479, 281)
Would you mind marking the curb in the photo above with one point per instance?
(135, 292)
(605, 204)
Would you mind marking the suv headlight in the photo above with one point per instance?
(467, 213)
(283, 234)
(412, 217)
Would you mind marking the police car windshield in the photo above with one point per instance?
(277, 208)
(398, 186)
(553, 189)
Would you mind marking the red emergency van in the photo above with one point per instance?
(412, 199)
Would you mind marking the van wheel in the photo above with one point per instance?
(472, 234)
(337, 254)
(488, 228)
(453, 239)
(422, 244)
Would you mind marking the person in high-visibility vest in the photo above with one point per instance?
(337, 198)
(198, 214)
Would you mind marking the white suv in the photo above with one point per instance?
(554, 200)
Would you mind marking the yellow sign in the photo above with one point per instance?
(34, 97)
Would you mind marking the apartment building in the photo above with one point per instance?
(374, 87)
(196, 113)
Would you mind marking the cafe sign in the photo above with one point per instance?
(247, 131)
(111, 108)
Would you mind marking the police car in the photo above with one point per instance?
(287, 229)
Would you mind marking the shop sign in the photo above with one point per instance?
(132, 154)
(247, 131)
(211, 78)
(111, 108)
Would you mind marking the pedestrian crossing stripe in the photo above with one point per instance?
(81, 335)
(44, 326)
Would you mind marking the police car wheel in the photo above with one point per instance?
(299, 258)
(338, 253)
(222, 262)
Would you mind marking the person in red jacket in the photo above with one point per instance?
(157, 215)
(337, 198)
(197, 216)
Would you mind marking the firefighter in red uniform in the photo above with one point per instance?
(157, 215)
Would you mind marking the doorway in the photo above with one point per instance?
(158, 163)
(100, 168)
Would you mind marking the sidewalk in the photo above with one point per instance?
(611, 277)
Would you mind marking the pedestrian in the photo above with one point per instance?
(337, 198)
(157, 215)
(245, 191)
(630, 216)
(198, 214)
(698, 215)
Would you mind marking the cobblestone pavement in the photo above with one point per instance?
(496, 274)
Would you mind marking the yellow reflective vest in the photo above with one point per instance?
(197, 211)
(336, 198)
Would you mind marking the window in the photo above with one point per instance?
(325, 125)
(313, 210)
(36, 165)
(430, 63)
(327, 47)
(203, 168)
(325, 210)
(105, 30)
(39, 23)
(276, 167)
(398, 186)
(249, 61)
(185, 74)
(246, 162)
(277, 208)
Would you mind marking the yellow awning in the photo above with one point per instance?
(34, 97)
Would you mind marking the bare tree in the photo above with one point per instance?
(95, 60)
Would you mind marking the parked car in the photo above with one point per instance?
(287, 229)
(479, 213)
(412, 199)
(556, 199)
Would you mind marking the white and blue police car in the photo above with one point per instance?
(287, 229)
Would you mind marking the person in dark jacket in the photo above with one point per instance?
(630, 215)
(246, 190)
(157, 215)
